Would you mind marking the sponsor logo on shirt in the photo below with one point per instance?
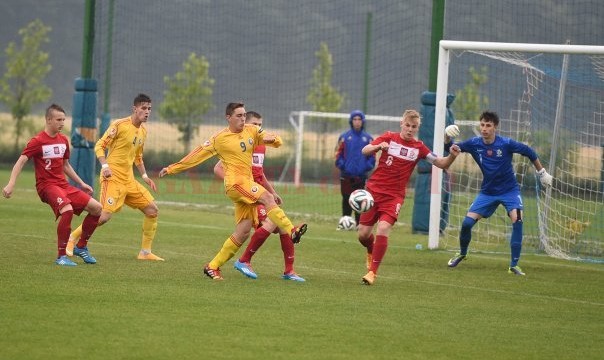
(403, 152)
(53, 151)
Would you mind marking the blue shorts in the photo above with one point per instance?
(485, 205)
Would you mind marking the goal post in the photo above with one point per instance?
(375, 125)
(568, 216)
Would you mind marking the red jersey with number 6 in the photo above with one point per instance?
(48, 154)
(395, 165)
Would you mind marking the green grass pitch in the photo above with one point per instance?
(122, 308)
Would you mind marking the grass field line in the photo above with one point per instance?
(349, 274)
(498, 291)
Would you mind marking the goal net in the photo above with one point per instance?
(315, 138)
(550, 97)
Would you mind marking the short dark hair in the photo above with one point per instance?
(230, 108)
(53, 107)
(252, 114)
(490, 116)
(141, 98)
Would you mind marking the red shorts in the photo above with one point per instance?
(386, 208)
(261, 214)
(58, 197)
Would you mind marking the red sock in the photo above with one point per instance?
(379, 250)
(63, 231)
(368, 243)
(260, 235)
(288, 252)
(88, 226)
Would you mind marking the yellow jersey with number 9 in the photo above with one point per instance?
(233, 149)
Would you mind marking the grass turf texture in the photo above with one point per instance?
(122, 308)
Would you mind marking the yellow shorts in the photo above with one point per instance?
(245, 195)
(114, 195)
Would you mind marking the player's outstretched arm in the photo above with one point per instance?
(194, 158)
(445, 162)
(8, 189)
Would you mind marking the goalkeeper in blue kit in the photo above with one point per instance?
(493, 154)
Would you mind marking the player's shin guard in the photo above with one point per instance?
(87, 229)
(278, 217)
(465, 235)
(287, 246)
(63, 230)
(228, 250)
(149, 230)
(379, 250)
(368, 243)
(260, 235)
(516, 242)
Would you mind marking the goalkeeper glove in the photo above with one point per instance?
(452, 131)
(545, 178)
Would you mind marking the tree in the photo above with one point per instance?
(323, 96)
(469, 102)
(22, 85)
(188, 96)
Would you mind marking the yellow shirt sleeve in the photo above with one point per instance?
(194, 158)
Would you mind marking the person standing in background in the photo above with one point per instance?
(353, 165)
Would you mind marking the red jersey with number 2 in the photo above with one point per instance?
(396, 165)
(48, 154)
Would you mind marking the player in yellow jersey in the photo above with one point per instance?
(234, 146)
(119, 148)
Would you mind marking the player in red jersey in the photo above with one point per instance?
(50, 151)
(400, 153)
(265, 227)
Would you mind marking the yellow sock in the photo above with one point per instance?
(279, 218)
(149, 229)
(228, 250)
(76, 234)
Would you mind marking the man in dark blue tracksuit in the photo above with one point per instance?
(354, 166)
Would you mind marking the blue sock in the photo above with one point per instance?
(516, 242)
(465, 235)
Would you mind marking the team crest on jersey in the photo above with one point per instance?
(251, 141)
(254, 189)
(112, 131)
(110, 201)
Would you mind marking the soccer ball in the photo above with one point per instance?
(360, 201)
(346, 223)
